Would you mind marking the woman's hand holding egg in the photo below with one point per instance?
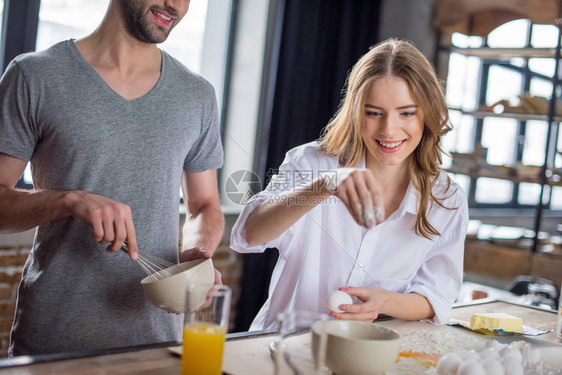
(337, 298)
(367, 311)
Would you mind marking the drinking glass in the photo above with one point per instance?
(205, 325)
(292, 350)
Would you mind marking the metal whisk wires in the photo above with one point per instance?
(153, 266)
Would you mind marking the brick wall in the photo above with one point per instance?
(12, 259)
(11, 264)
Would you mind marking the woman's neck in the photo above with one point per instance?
(393, 181)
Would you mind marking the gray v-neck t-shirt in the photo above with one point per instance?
(79, 134)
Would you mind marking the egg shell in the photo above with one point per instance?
(471, 367)
(337, 298)
(489, 352)
(470, 355)
(448, 364)
(492, 366)
(511, 365)
(511, 352)
(494, 344)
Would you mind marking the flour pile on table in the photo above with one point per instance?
(440, 343)
(466, 355)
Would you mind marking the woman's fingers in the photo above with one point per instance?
(361, 311)
(376, 198)
(348, 194)
(359, 192)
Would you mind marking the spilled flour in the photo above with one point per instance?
(434, 342)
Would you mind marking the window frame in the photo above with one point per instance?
(550, 155)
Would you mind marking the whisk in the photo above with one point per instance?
(153, 266)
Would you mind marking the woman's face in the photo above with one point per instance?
(393, 123)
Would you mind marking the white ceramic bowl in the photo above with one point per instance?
(357, 348)
(169, 293)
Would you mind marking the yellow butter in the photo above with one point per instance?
(502, 321)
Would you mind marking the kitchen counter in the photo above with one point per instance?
(247, 353)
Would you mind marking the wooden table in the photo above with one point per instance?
(158, 359)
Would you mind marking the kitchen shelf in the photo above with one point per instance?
(502, 173)
(512, 115)
(506, 53)
(474, 165)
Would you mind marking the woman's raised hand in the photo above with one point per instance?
(358, 190)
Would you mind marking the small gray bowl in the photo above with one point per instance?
(356, 348)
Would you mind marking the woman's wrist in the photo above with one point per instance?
(321, 187)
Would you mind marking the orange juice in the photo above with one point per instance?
(202, 349)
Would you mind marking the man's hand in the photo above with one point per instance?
(20, 210)
(198, 252)
(112, 222)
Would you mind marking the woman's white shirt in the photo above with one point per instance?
(326, 249)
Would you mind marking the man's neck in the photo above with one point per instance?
(129, 67)
(111, 47)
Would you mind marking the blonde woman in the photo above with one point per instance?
(367, 209)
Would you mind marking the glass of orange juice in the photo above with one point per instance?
(205, 326)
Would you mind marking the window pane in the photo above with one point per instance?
(461, 179)
(503, 84)
(510, 34)
(540, 87)
(544, 36)
(529, 193)
(64, 19)
(461, 138)
(556, 200)
(465, 41)
(462, 81)
(535, 143)
(500, 138)
(491, 190)
(185, 42)
(542, 66)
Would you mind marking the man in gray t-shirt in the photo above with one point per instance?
(112, 127)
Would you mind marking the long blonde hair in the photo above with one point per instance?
(342, 135)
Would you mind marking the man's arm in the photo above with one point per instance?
(204, 223)
(20, 210)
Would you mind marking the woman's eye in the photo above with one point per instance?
(371, 113)
(408, 114)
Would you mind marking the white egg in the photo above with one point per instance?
(512, 366)
(471, 367)
(511, 352)
(495, 345)
(492, 366)
(470, 355)
(448, 364)
(518, 344)
(337, 298)
(489, 352)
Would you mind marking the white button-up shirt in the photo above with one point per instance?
(326, 249)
